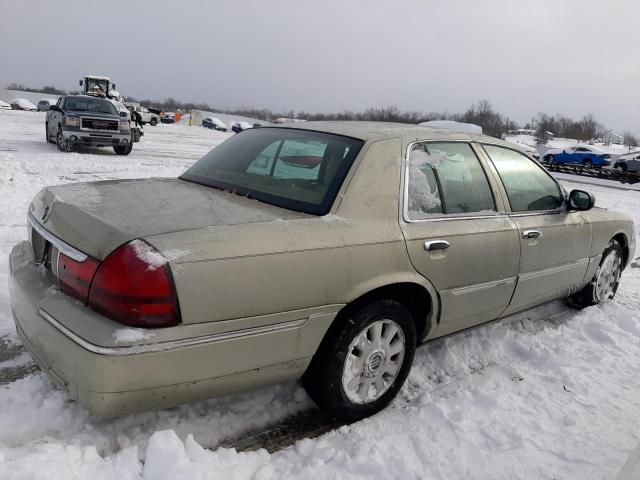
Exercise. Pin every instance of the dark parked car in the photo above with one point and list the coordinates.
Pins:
(584, 155)
(45, 103)
(214, 124)
(23, 104)
(169, 117)
(238, 127)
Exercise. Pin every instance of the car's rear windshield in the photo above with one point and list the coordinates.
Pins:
(89, 104)
(296, 169)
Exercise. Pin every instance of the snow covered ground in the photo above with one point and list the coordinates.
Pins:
(518, 398)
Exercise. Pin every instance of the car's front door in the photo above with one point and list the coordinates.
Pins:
(457, 233)
(554, 242)
(566, 156)
(55, 117)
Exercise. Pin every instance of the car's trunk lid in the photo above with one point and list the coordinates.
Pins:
(98, 217)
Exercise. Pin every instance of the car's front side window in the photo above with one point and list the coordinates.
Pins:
(529, 188)
(447, 178)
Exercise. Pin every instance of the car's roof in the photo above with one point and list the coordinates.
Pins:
(383, 130)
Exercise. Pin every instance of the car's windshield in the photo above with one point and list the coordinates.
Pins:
(89, 104)
(295, 169)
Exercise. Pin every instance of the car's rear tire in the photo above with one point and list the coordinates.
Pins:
(123, 149)
(549, 159)
(604, 284)
(363, 361)
(623, 167)
(154, 122)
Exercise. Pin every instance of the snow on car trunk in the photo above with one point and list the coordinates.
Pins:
(517, 398)
(98, 217)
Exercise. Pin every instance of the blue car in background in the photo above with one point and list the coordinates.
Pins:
(583, 155)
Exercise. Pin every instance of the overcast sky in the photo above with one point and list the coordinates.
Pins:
(571, 57)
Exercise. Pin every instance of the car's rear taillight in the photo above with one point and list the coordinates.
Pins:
(134, 286)
(75, 277)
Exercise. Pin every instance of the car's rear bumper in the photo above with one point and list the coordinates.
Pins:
(118, 379)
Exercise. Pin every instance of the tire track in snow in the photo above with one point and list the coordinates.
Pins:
(314, 423)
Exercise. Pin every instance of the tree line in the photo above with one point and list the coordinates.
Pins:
(481, 113)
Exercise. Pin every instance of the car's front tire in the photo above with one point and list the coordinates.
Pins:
(63, 144)
(363, 361)
(604, 284)
(588, 163)
(153, 122)
(123, 149)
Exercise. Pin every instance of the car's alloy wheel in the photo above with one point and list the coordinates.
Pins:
(373, 361)
(607, 277)
(588, 164)
(363, 360)
(604, 284)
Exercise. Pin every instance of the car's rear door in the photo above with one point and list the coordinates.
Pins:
(554, 243)
(457, 233)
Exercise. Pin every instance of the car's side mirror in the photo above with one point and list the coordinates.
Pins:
(564, 151)
(581, 200)
(54, 108)
(123, 114)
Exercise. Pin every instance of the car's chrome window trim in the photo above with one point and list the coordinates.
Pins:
(538, 212)
(169, 345)
(63, 247)
(443, 216)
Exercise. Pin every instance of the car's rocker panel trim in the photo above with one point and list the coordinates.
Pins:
(169, 345)
(63, 247)
(552, 270)
(482, 286)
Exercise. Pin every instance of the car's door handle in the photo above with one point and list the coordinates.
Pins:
(436, 245)
(531, 234)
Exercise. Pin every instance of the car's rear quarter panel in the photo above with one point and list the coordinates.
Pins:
(297, 264)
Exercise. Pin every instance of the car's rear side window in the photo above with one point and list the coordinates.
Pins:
(296, 169)
(445, 179)
(528, 186)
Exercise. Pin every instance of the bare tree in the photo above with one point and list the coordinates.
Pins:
(589, 126)
(630, 140)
